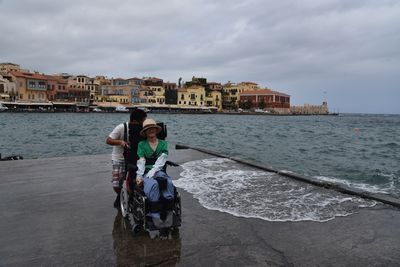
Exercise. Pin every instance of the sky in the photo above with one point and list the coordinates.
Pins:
(344, 52)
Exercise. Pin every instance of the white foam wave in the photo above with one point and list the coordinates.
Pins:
(224, 185)
(365, 187)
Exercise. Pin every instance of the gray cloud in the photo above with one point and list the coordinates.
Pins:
(302, 48)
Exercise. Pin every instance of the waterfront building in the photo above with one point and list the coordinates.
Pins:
(171, 93)
(78, 95)
(81, 81)
(8, 88)
(265, 98)
(93, 89)
(135, 86)
(8, 67)
(198, 92)
(197, 81)
(30, 86)
(214, 95)
(86, 83)
(119, 90)
(194, 95)
(213, 99)
(231, 93)
(214, 86)
(121, 87)
(57, 88)
(122, 99)
(101, 80)
(152, 91)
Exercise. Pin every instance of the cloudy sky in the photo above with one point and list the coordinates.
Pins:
(347, 52)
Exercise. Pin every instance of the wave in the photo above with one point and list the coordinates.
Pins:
(387, 188)
(224, 185)
(391, 145)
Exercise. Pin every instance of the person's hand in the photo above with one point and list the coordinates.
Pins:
(124, 144)
(139, 181)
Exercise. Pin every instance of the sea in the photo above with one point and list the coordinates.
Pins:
(358, 150)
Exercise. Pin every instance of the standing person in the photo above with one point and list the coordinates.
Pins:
(153, 154)
(119, 142)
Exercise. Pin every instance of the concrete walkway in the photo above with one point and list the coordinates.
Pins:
(59, 212)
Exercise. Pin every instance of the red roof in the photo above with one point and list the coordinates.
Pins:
(262, 92)
(58, 79)
(29, 75)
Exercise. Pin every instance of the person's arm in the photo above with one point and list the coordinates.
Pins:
(158, 165)
(115, 137)
(116, 142)
(140, 171)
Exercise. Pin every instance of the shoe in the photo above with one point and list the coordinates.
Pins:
(117, 203)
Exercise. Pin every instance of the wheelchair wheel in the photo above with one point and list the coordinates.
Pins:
(124, 199)
(178, 207)
(138, 212)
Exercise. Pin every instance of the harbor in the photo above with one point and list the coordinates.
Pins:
(74, 107)
(58, 211)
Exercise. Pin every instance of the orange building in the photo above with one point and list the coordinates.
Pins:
(31, 86)
(57, 88)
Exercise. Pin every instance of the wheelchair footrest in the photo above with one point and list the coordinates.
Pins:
(151, 225)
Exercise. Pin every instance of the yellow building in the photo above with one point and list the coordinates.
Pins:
(153, 94)
(192, 96)
(31, 87)
(214, 99)
(159, 94)
(232, 92)
(123, 99)
(102, 98)
(151, 90)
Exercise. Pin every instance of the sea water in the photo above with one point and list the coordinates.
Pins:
(360, 150)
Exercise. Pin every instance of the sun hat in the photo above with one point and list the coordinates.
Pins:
(147, 124)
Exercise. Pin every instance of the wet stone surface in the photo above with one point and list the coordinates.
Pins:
(59, 212)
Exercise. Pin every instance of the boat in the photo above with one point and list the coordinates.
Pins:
(2, 107)
(144, 109)
(121, 109)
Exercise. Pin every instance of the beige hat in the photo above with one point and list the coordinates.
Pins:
(147, 124)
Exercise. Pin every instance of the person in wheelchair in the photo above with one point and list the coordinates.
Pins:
(151, 171)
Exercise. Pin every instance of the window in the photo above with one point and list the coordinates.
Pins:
(31, 84)
(42, 85)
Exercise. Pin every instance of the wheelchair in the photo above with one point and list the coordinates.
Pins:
(137, 208)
